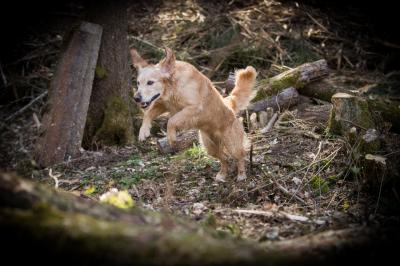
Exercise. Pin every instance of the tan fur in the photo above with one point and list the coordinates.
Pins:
(193, 102)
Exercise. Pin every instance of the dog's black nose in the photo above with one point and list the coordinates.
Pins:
(137, 97)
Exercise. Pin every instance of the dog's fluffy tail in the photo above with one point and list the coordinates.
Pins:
(243, 90)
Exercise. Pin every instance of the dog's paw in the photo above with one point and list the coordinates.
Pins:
(241, 177)
(220, 177)
(144, 133)
(171, 139)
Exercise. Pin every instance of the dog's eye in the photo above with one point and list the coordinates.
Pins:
(138, 83)
(150, 82)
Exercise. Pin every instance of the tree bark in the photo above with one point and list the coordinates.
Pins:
(70, 92)
(74, 231)
(111, 110)
(297, 77)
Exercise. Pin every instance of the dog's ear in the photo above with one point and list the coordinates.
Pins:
(167, 65)
(138, 61)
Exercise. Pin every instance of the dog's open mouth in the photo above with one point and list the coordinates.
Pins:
(144, 105)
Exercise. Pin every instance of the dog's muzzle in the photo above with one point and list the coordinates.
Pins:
(144, 105)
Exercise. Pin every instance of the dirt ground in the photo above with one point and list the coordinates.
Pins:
(300, 180)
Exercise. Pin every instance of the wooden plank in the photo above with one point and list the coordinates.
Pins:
(70, 92)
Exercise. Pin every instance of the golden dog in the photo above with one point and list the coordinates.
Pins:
(193, 102)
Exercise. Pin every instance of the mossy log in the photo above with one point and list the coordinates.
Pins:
(297, 77)
(75, 231)
(70, 92)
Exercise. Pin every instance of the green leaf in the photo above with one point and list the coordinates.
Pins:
(346, 205)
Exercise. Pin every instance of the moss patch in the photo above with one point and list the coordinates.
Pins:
(273, 86)
(116, 128)
(100, 72)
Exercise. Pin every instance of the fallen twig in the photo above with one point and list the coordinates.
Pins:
(279, 214)
(287, 192)
(3, 76)
(270, 124)
(23, 109)
(55, 178)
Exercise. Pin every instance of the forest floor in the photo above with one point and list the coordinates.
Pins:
(300, 180)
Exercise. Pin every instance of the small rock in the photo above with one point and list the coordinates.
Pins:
(296, 180)
(272, 233)
(198, 208)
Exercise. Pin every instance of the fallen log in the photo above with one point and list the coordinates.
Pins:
(183, 141)
(283, 100)
(297, 77)
(35, 218)
(70, 92)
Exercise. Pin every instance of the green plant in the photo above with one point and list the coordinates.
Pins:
(319, 185)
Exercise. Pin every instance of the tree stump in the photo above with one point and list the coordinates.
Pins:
(70, 92)
(349, 111)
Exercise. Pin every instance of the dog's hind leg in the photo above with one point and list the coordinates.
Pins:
(215, 149)
(234, 143)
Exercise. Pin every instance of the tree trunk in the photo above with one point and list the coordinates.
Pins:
(70, 92)
(111, 110)
(74, 231)
(297, 77)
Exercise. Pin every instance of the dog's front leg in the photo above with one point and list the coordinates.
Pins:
(149, 115)
(183, 120)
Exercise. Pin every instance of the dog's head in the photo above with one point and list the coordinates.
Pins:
(151, 78)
